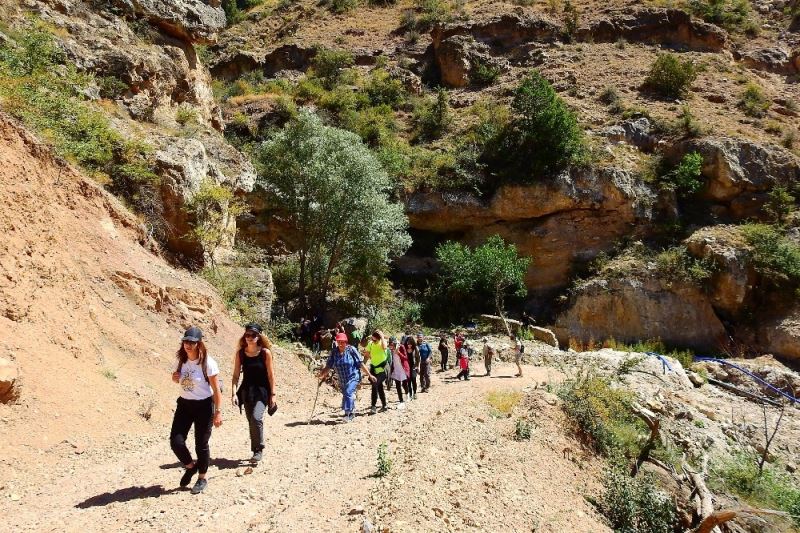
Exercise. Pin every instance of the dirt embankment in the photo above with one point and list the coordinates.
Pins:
(90, 317)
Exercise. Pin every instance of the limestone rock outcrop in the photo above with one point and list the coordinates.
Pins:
(773, 59)
(560, 222)
(734, 278)
(779, 334)
(183, 165)
(739, 173)
(672, 27)
(188, 20)
(630, 309)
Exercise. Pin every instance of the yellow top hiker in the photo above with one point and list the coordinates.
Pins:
(376, 351)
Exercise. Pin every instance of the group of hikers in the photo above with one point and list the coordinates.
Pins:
(384, 362)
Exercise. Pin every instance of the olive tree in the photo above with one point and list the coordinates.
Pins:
(336, 194)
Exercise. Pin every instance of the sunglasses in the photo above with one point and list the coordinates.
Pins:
(250, 335)
(190, 343)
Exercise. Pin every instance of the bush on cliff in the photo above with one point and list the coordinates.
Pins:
(543, 136)
(670, 76)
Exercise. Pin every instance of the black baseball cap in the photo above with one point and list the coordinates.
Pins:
(193, 334)
(252, 326)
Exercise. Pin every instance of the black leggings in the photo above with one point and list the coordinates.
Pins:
(401, 386)
(377, 389)
(444, 359)
(201, 414)
(413, 382)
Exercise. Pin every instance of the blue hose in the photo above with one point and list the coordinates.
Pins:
(664, 362)
(747, 372)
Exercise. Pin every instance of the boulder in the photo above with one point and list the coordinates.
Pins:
(196, 21)
(631, 309)
(771, 59)
(734, 167)
(666, 27)
(155, 76)
(544, 335)
(780, 334)
(457, 58)
(233, 62)
(503, 32)
(183, 165)
(9, 381)
(735, 277)
(637, 132)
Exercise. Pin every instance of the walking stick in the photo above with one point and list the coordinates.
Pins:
(319, 385)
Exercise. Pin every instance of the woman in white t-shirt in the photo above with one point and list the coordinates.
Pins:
(198, 404)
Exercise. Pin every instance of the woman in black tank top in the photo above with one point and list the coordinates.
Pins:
(256, 394)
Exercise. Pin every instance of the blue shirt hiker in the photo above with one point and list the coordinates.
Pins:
(348, 363)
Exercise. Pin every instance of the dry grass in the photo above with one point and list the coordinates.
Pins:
(252, 98)
(503, 401)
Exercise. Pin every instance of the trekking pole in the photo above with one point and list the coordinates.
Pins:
(319, 385)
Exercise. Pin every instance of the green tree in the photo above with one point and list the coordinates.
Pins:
(671, 77)
(544, 135)
(493, 267)
(336, 193)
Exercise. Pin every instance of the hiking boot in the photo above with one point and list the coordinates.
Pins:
(373, 410)
(384, 409)
(256, 457)
(199, 486)
(186, 478)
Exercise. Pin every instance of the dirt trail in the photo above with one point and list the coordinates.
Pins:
(455, 467)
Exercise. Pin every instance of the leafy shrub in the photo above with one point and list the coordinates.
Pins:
(774, 255)
(111, 87)
(733, 15)
(185, 115)
(397, 315)
(483, 73)
(522, 430)
(543, 135)
(688, 124)
(234, 9)
(213, 207)
(739, 474)
(602, 414)
(570, 16)
(754, 102)
(684, 178)
(384, 461)
(382, 89)
(342, 6)
(328, 65)
(676, 264)
(432, 12)
(241, 294)
(671, 77)
(433, 118)
(610, 96)
(635, 504)
(685, 357)
(780, 204)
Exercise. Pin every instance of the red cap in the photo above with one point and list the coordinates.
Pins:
(341, 337)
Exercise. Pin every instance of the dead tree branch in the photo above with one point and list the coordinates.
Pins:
(654, 423)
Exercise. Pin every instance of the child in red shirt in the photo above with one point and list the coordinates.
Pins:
(463, 363)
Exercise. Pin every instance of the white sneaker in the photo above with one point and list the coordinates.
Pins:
(401, 405)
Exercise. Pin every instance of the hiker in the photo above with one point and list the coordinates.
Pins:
(424, 362)
(443, 351)
(400, 369)
(316, 341)
(378, 354)
(256, 394)
(463, 362)
(412, 352)
(488, 354)
(527, 321)
(348, 364)
(458, 341)
(519, 349)
(199, 404)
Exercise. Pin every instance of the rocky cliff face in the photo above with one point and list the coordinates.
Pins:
(561, 223)
(143, 55)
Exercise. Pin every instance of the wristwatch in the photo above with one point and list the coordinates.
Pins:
(217, 410)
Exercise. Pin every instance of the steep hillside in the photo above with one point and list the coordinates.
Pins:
(89, 316)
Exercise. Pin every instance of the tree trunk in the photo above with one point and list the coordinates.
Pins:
(498, 302)
(301, 283)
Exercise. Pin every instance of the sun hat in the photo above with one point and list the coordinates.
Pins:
(252, 326)
(193, 334)
(341, 337)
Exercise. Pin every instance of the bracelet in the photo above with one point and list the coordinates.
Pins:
(218, 410)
